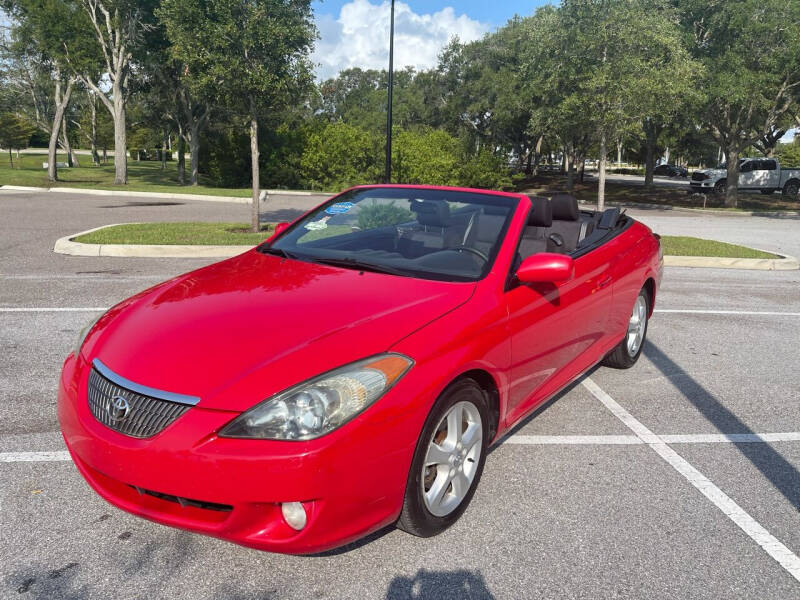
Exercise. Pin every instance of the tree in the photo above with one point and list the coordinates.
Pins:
(15, 133)
(750, 50)
(119, 27)
(340, 156)
(620, 54)
(43, 35)
(253, 53)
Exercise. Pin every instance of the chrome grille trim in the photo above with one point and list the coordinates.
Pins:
(143, 389)
(145, 417)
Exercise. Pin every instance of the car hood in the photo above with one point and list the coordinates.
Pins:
(260, 322)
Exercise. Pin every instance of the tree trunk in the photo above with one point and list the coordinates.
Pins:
(570, 169)
(619, 153)
(732, 179)
(194, 152)
(537, 155)
(651, 133)
(583, 167)
(72, 158)
(254, 162)
(181, 158)
(164, 150)
(105, 155)
(601, 180)
(93, 138)
(120, 140)
(666, 155)
(61, 107)
(11, 158)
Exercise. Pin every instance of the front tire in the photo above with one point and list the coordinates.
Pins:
(448, 461)
(720, 187)
(627, 352)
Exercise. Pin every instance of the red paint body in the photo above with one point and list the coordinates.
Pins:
(238, 331)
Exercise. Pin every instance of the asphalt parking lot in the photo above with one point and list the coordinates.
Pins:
(675, 479)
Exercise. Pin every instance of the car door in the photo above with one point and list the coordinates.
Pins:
(747, 174)
(554, 328)
(768, 175)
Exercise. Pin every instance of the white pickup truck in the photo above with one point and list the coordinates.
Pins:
(763, 174)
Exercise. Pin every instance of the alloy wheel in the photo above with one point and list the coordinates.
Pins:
(452, 459)
(637, 325)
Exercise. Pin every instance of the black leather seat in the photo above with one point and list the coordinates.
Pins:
(484, 228)
(566, 227)
(534, 238)
(434, 231)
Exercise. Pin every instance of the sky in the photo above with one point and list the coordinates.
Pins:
(355, 33)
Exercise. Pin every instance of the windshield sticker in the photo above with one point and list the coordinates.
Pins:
(316, 225)
(339, 208)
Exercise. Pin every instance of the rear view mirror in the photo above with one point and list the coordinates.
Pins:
(545, 267)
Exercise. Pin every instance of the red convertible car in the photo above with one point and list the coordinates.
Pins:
(352, 371)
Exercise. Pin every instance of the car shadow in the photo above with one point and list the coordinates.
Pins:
(780, 472)
(460, 584)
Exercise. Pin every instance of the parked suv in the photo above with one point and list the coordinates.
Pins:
(763, 174)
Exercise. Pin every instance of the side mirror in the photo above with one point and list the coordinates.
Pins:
(546, 267)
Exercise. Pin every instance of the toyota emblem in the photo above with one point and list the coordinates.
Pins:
(118, 408)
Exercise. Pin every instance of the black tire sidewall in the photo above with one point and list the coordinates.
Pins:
(416, 518)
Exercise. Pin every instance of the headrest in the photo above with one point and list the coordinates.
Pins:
(565, 207)
(541, 214)
(433, 213)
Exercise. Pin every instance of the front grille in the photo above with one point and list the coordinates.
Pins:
(145, 417)
(697, 176)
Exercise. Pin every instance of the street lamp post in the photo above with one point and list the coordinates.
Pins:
(388, 174)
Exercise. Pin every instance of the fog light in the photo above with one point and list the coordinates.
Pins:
(295, 514)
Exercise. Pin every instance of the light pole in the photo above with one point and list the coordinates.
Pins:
(388, 174)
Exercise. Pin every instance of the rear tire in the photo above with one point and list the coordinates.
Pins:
(627, 352)
(453, 466)
(791, 189)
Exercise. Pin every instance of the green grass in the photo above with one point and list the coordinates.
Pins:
(145, 176)
(692, 246)
(204, 234)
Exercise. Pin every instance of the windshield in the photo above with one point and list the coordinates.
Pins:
(432, 234)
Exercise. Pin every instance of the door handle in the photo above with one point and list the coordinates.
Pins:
(605, 282)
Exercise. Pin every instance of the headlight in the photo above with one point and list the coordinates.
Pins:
(76, 349)
(322, 404)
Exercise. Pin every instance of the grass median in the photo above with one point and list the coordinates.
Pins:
(234, 234)
(170, 234)
(691, 246)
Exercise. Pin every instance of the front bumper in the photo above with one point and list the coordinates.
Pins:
(187, 477)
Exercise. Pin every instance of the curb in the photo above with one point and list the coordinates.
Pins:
(785, 263)
(65, 245)
(164, 195)
(708, 211)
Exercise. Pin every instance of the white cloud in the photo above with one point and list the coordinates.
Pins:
(360, 37)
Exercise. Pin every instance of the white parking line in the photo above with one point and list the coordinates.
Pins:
(535, 440)
(34, 456)
(16, 309)
(735, 438)
(771, 545)
(682, 311)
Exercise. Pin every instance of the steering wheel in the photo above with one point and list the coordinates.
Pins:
(477, 253)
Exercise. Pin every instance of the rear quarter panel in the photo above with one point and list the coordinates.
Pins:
(637, 261)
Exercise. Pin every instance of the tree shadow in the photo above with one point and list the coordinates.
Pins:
(780, 472)
(440, 585)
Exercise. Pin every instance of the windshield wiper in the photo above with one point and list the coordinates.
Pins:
(349, 263)
(277, 252)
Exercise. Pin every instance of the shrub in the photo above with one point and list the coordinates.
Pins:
(485, 170)
(340, 156)
(376, 215)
